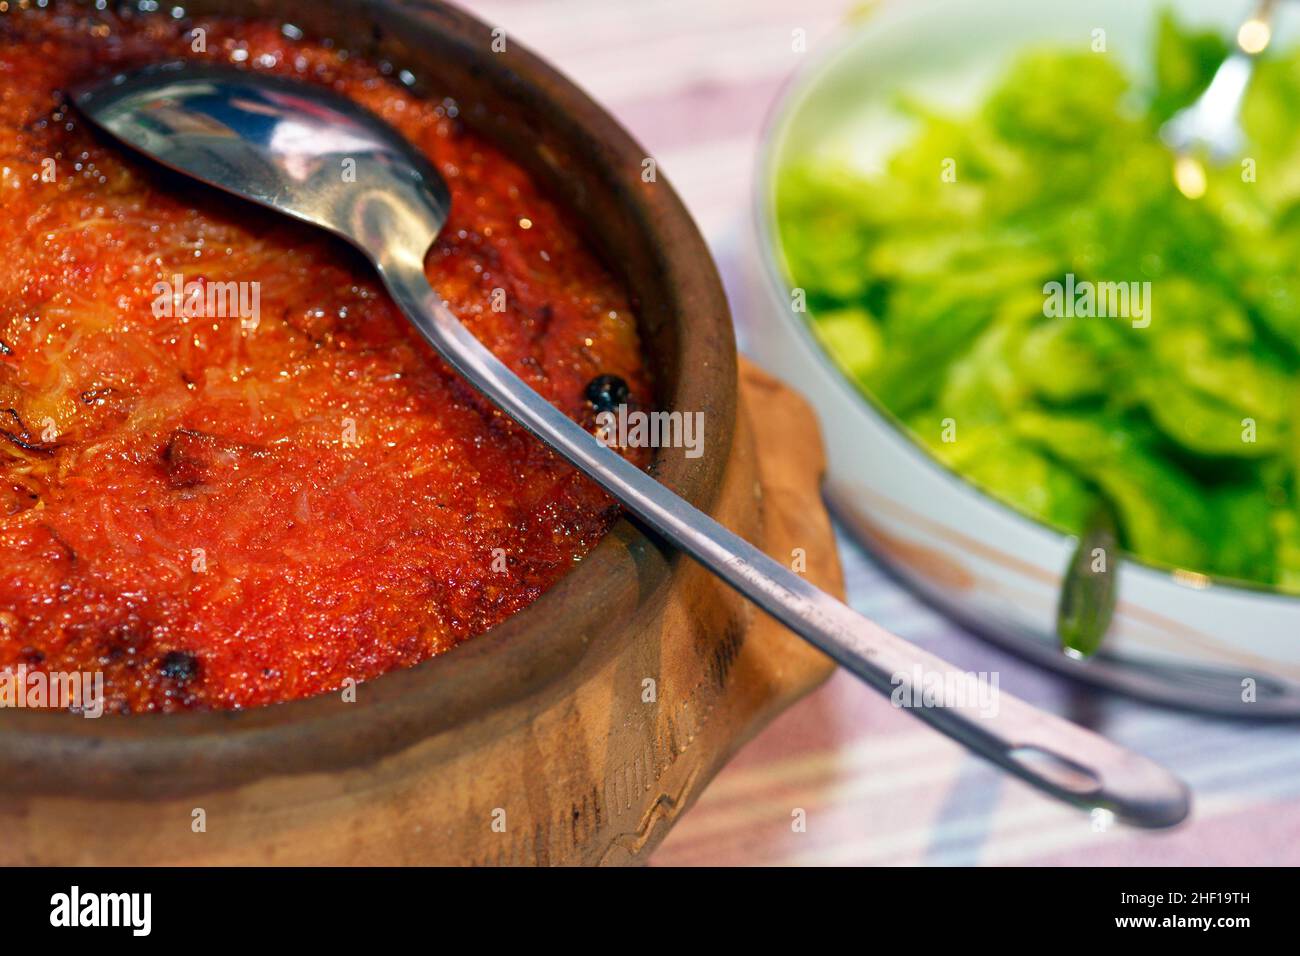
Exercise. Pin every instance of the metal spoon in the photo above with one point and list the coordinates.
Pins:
(1211, 126)
(282, 144)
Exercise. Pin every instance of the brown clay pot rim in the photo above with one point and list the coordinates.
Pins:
(155, 756)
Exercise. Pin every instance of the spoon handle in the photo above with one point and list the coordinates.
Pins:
(1058, 757)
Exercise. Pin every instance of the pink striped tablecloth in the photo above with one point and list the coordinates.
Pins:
(693, 81)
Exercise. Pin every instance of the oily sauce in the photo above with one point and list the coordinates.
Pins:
(224, 511)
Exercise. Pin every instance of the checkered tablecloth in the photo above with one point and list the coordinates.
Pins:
(693, 81)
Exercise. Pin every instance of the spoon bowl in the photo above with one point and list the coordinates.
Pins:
(315, 156)
(1211, 126)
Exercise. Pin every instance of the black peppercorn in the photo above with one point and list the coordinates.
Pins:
(179, 666)
(607, 392)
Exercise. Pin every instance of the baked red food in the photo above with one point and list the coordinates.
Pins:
(218, 512)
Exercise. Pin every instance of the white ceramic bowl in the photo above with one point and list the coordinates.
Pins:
(1176, 637)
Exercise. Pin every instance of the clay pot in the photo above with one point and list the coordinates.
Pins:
(575, 731)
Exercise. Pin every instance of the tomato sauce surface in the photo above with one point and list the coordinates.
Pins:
(225, 511)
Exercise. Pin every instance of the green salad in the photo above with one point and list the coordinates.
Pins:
(1027, 289)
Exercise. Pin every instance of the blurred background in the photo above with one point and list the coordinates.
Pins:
(694, 81)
